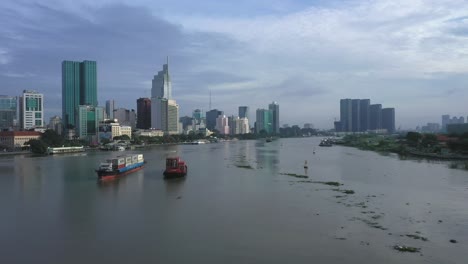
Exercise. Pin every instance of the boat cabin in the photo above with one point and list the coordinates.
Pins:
(175, 166)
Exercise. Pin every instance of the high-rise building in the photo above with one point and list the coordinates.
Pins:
(31, 109)
(264, 121)
(198, 115)
(375, 117)
(164, 110)
(79, 87)
(364, 114)
(355, 115)
(143, 113)
(211, 118)
(87, 123)
(445, 122)
(125, 117)
(172, 117)
(161, 84)
(244, 112)
(346, 115)
(274, 108)
(8, 112)
(55, 123)
(388, 119)
(222, 125)
(244, 127)
(110, 106)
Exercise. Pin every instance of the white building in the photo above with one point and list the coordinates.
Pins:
(244, 127)
(31, 109)
(222, 124)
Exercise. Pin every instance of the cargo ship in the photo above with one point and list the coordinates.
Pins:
(120, 166)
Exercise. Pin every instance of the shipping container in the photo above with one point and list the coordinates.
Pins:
(140, 157)
(121, 161)
(128, 161)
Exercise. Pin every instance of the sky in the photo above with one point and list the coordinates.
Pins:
(306, 55)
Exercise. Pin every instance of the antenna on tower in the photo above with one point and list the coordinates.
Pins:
(209, 107)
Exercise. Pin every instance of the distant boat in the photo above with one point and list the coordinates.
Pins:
(121, 148)
(325, 143)
(269, 139)
(305, 165)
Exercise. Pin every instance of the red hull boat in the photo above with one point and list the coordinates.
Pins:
(175, 168)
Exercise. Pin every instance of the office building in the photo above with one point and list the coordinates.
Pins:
(125, 117)
(79, 87)
(346, 115)
(31, 109)
(388, 119)
(55, 123)
(244, 112)
(355, 115)
(222, 125)
(87, 122)
(110, 106)
(364, 105)
(143, 113)
(211, 118)
(164, 110)
(274, 108)
(375, 117)
(8, 112)
(263, 122)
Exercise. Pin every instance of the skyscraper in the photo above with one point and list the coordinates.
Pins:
(346, 115)
(88, 122)
(8, 112)
(161, 84)
(164, 110)
(79, 87)
(364, 114)
(31, 109)
(110, 106)
(388, 119)
(375, 117)
(244, 112)
(274, 108)
(143, 113)
(264, 120)
(355, 115)
(211, 118)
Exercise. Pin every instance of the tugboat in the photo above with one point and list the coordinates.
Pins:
(120, 166)
(175, 168)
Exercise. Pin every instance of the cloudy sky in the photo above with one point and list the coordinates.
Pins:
(306, 55)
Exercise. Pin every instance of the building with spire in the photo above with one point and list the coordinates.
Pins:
(164, 110)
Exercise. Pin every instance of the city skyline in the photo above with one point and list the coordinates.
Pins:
(241, 59)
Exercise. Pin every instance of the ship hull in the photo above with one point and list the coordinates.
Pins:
(111, 175)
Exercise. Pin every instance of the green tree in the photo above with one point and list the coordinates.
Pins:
(413, 138)
(429, 140)
(122, 137)
(37, 146)
(51, 138)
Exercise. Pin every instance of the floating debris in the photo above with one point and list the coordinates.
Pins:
(295, 175)
(340, 238)
(348, 191)
(453, 241)
(417, 237)
(244, 166)
(406, 249)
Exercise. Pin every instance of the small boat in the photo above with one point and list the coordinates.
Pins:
(325, 143)
(269, 139)
(305, 165)
(120, 166)
(175, 168)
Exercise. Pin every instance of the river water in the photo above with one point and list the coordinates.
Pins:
(240, 203)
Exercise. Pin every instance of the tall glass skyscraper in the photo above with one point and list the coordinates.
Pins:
(8, 112)
(274, 108)
(79, 87)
